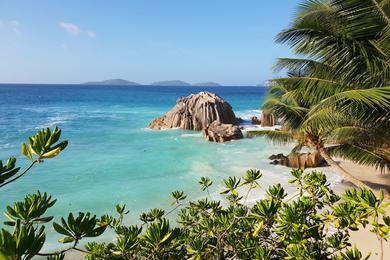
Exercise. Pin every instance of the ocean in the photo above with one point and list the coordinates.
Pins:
(113, 157)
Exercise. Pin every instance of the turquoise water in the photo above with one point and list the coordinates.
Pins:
(112, 157)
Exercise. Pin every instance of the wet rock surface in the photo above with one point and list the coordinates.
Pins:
(218, 132)
(299, 160)
(196, 112)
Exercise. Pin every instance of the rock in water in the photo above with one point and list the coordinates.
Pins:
(267, 120)
(299, 160)
(218, 132)
(255, 120)
(196, 112)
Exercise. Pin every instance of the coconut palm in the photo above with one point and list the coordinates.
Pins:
(342, 135)
(336, 99)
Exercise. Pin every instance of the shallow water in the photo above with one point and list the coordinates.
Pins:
(112, 156)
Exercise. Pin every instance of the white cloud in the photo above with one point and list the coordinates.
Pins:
(12, 25)
(70, 28)
(75, 30)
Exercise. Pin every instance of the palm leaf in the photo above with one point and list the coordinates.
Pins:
(346, 35)
(359, 155)
(325, 120)
(290, 114)
(359, 135)
(365, 105)
(301, 65)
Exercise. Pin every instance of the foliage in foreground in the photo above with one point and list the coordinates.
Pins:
(313, 223)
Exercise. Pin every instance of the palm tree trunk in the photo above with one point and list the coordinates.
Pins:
(349, 177)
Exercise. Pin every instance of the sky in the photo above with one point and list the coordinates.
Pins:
(226, 41)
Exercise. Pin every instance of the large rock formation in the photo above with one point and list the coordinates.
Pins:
(218, 132)
(299, 160)
(196, 112)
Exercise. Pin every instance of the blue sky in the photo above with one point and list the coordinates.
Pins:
(227, 41)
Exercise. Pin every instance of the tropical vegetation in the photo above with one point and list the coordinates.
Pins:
(336, 97)
(313, 223)
(335, 101)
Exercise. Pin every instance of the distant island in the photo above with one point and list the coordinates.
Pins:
(113, 82)
(207, 84)
(171, 83)
(166, 83)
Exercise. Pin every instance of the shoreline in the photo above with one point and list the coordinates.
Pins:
(363, 239)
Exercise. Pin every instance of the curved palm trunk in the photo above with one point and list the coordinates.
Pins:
(347, 175)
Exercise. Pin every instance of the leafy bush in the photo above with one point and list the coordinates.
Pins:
(313, 223)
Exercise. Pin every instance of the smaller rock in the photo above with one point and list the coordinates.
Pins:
(267, 120)
(278, 156)
(255, 120)
(299, 160)
(275, 162)
(218, 132)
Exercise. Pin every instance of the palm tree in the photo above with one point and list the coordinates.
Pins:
(329, 131)
(336, 99)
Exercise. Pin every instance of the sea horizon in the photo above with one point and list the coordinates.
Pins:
(140, 85)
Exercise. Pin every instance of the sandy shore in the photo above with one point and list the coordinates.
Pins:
(363, 238)
(74, 255)
(370, 176)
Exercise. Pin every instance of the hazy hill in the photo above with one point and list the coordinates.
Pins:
(207, 84)
(172, 83)
(113, 82)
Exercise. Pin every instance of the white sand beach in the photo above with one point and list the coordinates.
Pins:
(363, 238)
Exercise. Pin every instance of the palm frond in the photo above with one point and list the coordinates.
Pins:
(348, 35)
(290, 114)
(310, 90)
(359, 155)
(359, 135)
(366, 105)
(277, 91)
(302, 65)
(325, 120)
